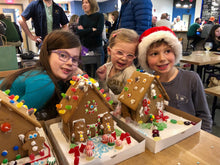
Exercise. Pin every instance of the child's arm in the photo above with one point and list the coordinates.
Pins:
(101, 73)
(201, 105)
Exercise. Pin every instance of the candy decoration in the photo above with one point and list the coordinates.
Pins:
(122, 136)
(51, 160)
(82, 148)
(104, 139)
(187, 122)
(5, 161)
(102, 90)
(128, 139)
(5, 127)
(41, 153)
(71, 151)
(111, 141)
(4, 153)
(118, 144)
(114, 135)
(91, 144)
(89, 155)
(15, 148)
(32, 156)
(76, 160)
(86, 76)
(62, 112)
(11, 97)
(18, 156)
(7, 91)
(75, 97)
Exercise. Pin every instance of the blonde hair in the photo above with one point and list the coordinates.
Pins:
(73, 18)
(123, 35)
(94, 7)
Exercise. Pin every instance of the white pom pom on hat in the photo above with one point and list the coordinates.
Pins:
(155, 34)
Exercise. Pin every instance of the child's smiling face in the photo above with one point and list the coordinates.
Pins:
(161, 58)
(122, 55)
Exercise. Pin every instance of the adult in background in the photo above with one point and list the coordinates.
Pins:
(164, 21)
(154, 21)
(90, 28)
(11, 33)
(207, 27)
(136, 15)
(74, 20)
(114, 16)
(2, 31)
(46, 16)
(194, 32)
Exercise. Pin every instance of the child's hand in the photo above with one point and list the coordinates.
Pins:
(101, 72)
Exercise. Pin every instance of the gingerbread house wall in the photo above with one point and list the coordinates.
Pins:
(153, 101)
(10, 139)
(80, 113)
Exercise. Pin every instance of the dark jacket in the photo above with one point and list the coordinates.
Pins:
(89, 38)
(36, 11)
(136, 15)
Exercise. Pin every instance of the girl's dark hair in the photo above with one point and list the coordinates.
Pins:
(212, 31)
(57, 39)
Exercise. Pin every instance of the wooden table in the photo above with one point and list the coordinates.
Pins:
(215, 91)
(201, 148)
(201, 58)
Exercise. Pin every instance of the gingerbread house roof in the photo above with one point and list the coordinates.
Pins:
(18, 108)
(79, 87)
(137, 86)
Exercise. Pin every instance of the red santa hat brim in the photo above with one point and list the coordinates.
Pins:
(153, 35)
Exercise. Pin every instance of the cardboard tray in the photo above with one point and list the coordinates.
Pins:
(157, 146)
(135, 150)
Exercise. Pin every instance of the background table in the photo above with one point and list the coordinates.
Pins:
(201, 58)
(201, 148)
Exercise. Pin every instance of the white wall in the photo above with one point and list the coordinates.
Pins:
(162, 6)
(166, 6)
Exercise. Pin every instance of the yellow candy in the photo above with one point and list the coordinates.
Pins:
(72, 82)
(157, 139)
(92, 80)
(62, 112)
(140, 122)
(104, 95)
(26, 106)
(19, 105)
(180, 122)
(16, 97)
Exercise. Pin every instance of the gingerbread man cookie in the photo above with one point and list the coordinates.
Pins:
(107, 124)
(79, 133)
(33, 142)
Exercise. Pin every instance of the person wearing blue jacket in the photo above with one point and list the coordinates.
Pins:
(136, 15)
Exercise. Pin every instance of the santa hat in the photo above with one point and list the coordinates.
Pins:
(153, 35)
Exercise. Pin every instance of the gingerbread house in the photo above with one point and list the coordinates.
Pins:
(17, 125)
(142, 96)
(84, 110)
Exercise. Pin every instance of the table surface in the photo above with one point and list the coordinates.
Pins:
(202, 58)
(213, 91)
(201, 148)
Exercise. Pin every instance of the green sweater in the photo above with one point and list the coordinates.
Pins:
(11, 32)
(193, 29)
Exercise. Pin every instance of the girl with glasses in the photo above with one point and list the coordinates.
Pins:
(40, 86)
(122, 51)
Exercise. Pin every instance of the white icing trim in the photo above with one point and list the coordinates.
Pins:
(78, 120)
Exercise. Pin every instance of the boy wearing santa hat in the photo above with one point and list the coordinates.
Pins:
(159, 51)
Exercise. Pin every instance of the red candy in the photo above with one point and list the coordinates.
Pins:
(82, 147)
(128, 139)
(5, 127)
(76, 160)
